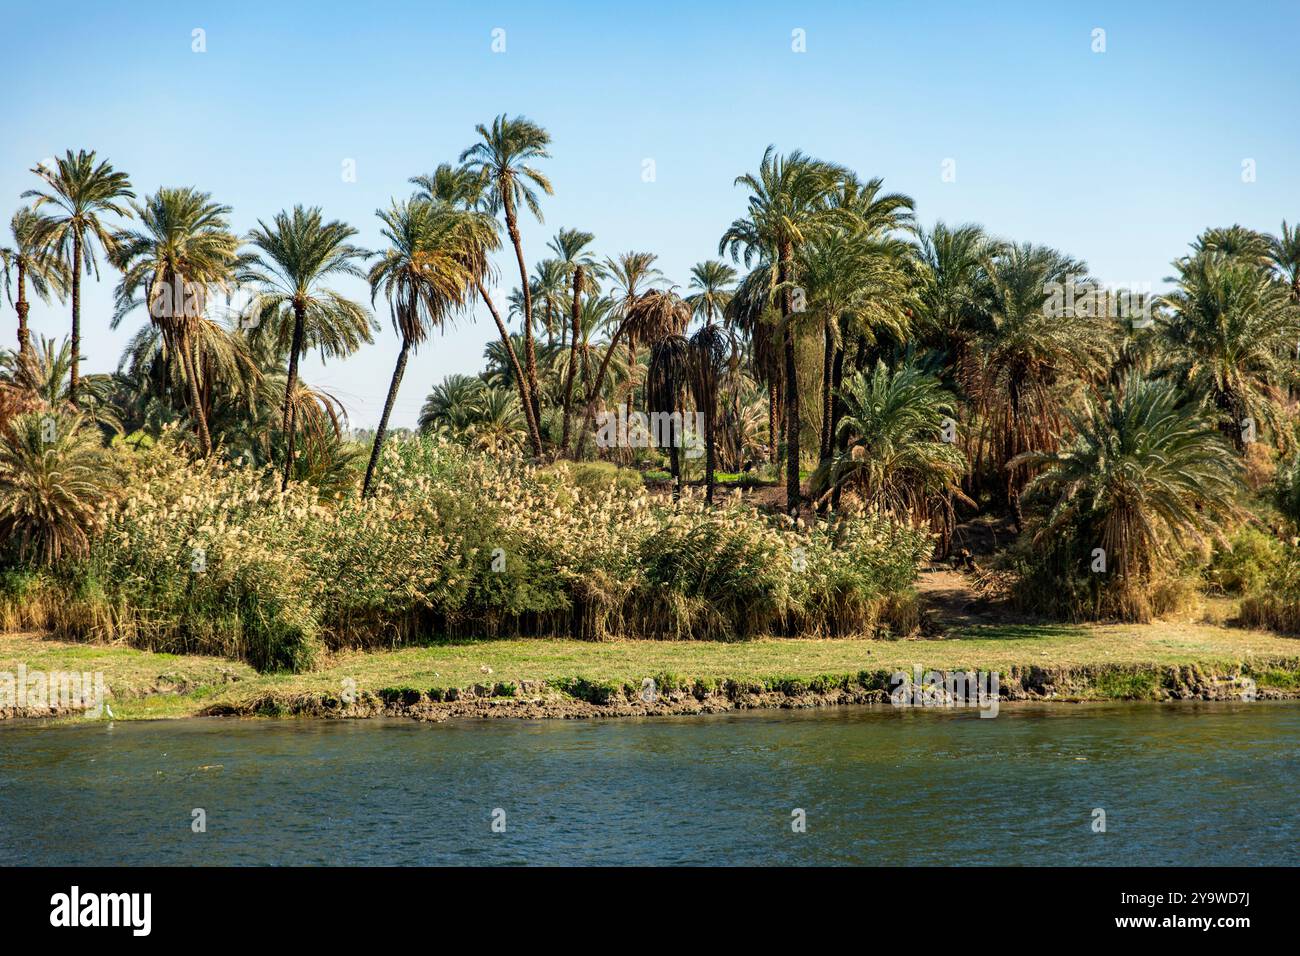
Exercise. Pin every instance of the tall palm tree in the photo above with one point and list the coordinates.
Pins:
(711, 348)
(1230, 327)
(953, 293)
(294, 257)
(81, 192)
(570, 248)
(712, 281)
(751, 313)
(183, 252)
(856, 283)
(502, 160)
(789, 204)
(427, 274)
(630, 274)
(466, 190)
(30, 260)
(1027, 350)
(666, 385)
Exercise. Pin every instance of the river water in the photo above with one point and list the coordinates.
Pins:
(1180, 784)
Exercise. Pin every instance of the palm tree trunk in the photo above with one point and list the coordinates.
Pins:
(530, 353)
(383, 420)
(75, 378)
(674, 457)
(773, 424)
(594, 394)
(24, 335)
(828, 371)
(573, 355)
(791, 389)
(708, 450)
(291, 382)
(196, 404)
(534, 433)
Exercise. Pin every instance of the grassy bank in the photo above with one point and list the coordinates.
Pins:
(540, 678)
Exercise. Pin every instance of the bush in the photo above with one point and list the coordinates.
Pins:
(213, 558)
(1275, 603)
(1244, 562)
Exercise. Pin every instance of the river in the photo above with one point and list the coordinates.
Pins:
(1180, 784)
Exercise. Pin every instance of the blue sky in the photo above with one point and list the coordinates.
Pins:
(1119, 158)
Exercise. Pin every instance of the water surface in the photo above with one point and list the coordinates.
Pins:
(1181, 784)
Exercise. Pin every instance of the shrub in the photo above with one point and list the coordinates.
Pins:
(214, 558)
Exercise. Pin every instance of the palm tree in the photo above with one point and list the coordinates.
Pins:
(570, 246)
(892, 450)
(1231, 324)
(41, 376)
(54, 482)
(466, 190)
(711, 348)
(295, 256)
(1284, 254)
(1144, 473)
(30, 260)
(953, 294)
(857, 282)
(750, 312)
(666, 385)
(788, 206)
(183, 252)
(81, 191)
(501, 161)
(1027, 349)
(427, 274)
(712, 281)
(628, 274)
(631, 274)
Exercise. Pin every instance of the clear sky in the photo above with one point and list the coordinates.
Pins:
(1119, 158)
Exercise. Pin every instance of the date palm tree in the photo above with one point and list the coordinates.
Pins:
(502, 161)
(710, 350)
(81, 192)
(892, 448)
(953, 294)
(427, 274)
(1284, 254)
(293, 258)
(630, 274)
(583, 271)
(1230, 328)
(1027, 350)
(30, 261)
(789, 205)
(1143, 474)
(183, 252)
(465, 189)
(54, 483)
(712, 282)
(667, 382)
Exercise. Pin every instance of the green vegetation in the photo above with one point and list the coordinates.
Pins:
(1135, 662)
(866, 391)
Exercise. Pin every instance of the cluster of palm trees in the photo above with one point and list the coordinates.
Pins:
(844, 345)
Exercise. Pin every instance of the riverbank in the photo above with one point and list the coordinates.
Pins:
(576, 679)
